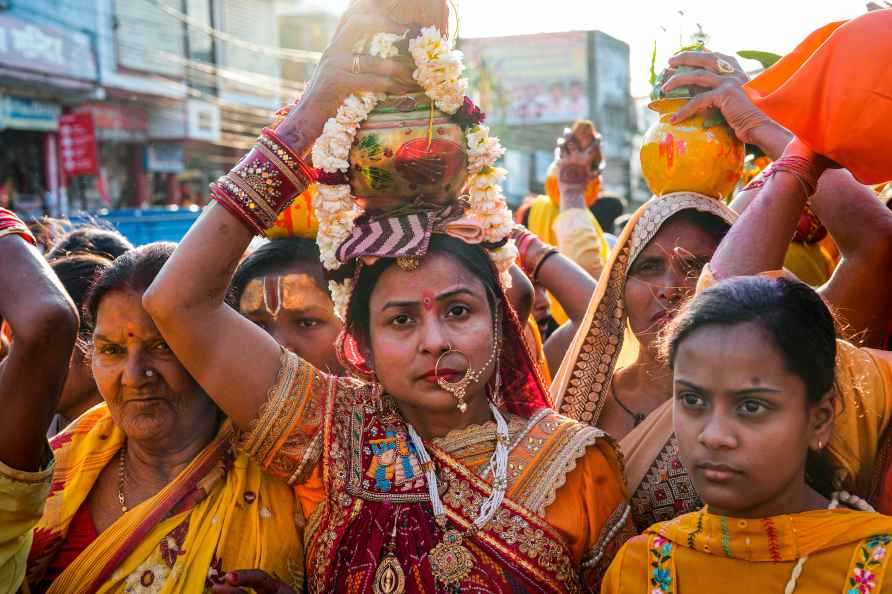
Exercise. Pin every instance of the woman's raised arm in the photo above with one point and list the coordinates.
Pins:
(232, 359)
(44, 326)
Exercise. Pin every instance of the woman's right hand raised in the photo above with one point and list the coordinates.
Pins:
(340, 73)
(724, 78)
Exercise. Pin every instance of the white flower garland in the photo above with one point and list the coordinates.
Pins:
(438, 71)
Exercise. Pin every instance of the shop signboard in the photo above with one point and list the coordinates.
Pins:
(165, 157)
(28, 114)
(117, 123)
(44, 48)
(77, 138)
(202, 121)
(530, 79)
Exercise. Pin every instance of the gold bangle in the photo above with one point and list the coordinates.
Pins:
(535, 276)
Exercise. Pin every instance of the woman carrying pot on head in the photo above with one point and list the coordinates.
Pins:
(43, 324)
(613, 377)
(443, 469)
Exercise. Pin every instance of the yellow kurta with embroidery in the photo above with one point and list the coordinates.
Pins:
(702, 552)
(22, 499)
(576, 233)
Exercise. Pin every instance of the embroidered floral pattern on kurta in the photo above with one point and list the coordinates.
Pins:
(868, 565)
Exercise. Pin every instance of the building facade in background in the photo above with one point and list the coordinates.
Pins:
(533, 86)
(127, 104)
(171, 92)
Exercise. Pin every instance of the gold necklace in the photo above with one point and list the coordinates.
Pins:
(390, 577)
(121, 498)
(451, 561)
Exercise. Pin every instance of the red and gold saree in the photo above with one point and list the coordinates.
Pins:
(364, 493)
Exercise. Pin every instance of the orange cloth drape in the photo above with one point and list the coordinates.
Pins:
(834, 92)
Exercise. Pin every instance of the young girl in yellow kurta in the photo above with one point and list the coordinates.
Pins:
(753, 372)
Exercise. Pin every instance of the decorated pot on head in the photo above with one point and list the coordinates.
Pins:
(407, 150)
(700, 154)
(392, 170)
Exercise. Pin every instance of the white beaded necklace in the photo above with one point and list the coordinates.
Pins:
(450, 561)
(845, 497)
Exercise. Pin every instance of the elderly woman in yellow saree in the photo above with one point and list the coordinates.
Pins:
(440, 467)
(612, 376)
(148, 494)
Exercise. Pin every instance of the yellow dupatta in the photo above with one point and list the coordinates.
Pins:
(543, 213)
(220, 514)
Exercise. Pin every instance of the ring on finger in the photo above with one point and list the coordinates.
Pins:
(355, 69)
(724, 66)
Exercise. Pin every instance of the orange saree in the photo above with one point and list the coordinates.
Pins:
(834, 91)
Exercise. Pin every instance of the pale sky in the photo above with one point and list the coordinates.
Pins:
(767, 25)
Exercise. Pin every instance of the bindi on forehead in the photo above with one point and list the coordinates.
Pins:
(427, 299)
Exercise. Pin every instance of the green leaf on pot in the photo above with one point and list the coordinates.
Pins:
(712, 120)
(379, 179)
(372, 147)
(653, 65)
(766, 59)
(694, 47)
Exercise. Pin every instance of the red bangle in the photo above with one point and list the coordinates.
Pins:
(523, 244)
(263, 183)
(11, 224)
(809, 229)
(800, 167)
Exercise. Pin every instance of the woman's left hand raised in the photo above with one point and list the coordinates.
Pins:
(261, 582)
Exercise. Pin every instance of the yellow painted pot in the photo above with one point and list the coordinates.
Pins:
(700, 154)
(405, 151)
(298, 220)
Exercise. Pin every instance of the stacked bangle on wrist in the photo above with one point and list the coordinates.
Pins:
(522, 242)
(11, 224)
(802, 169)
(263, 183)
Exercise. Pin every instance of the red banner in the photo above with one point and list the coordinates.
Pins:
(77, 137)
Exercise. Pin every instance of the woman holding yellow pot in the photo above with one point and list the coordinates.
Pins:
(612, 376)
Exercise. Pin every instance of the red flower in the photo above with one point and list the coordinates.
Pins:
(331, 179)
(469, 115)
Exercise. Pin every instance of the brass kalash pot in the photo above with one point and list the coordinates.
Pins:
(407, 150)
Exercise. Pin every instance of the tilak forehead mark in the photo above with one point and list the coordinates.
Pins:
(427, 299)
